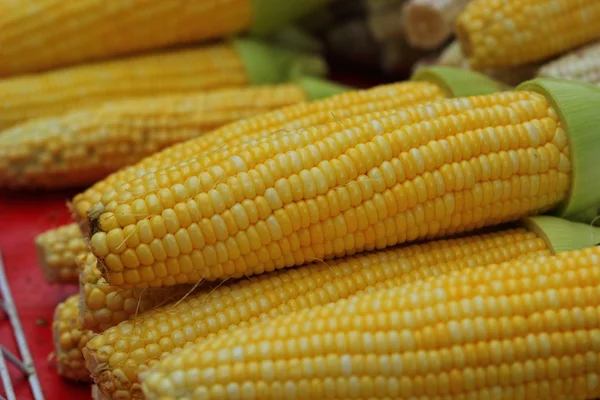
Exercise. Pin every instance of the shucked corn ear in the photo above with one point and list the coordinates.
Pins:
(581, 65)
(452, 56)
(69, 339)
(73, 32)
(116, 356)
(222, 143)
(102, 305)
(82, 147)
(525, 329)
(58, 250)
(361, 184)
(498, 33)
(237, 63)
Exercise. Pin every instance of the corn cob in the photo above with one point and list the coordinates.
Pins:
(429, 23)
(69, 339)
(141, 25)
(452, 56)
(115, 357)
(82, 147)
(103, 305)
(58, 250)
(511, 33)
(522, 329)
(242, 134)
(581, 65)
(220, 65)
(361, 184)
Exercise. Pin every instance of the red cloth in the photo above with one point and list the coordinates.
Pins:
(22, 217)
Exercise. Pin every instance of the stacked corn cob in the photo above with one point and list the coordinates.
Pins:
(521, 329)
(222, 65)
(72, 33)
(509, 40)
(331, 190)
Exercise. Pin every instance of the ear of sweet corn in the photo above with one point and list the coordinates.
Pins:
(177, 71)
(124, 27)
(221, 65)
(582, 65)
(425, 171)
(82, 147)
(102, 305)
(452, 56)
(58, 250)
(69, 339)
(134, 345)
(522, 329)
(224, 142)
(510, 33)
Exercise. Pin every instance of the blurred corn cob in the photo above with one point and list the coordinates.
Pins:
(247, 302)
(238, 63)
(452, 56)
(581, 65)
(246, 133)
(388, 183)
(82, 147)
(58, 250)
(69, 339)
(521, 329)
(512, 33)
(102, 305)
(430, 23)
(46, 34)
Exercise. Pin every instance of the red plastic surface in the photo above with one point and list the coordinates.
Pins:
(22, 217)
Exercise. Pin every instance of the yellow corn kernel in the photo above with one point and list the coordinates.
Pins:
(352, 185)
(85, 86)
(522, 329)
(84, 146)
(117, 355)
(581, 65)
(58, 250)
(103, 305)
(69, 339)
(223, 142)
(498, 33)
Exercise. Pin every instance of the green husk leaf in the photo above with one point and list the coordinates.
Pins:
(589, 216)
(266, 64)
(563, 235)
(268, 15)
(320, 88)
(459, 82)
(578, 106)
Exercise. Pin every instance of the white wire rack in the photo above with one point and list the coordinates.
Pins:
(25, 362)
